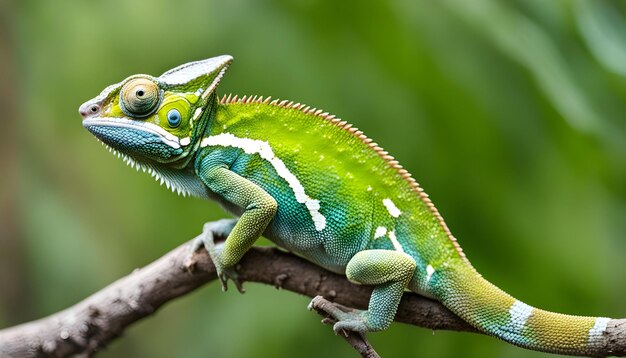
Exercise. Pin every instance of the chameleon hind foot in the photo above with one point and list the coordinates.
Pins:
(389, 271)
(212, 230)
(344, 318)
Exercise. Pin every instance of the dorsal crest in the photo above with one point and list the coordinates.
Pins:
(230, 99)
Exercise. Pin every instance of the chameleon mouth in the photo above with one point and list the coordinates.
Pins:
(165, 136)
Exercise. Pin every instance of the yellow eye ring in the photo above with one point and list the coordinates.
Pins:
(174, 112)
(139, 97)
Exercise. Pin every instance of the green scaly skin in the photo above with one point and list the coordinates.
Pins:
(318, 187)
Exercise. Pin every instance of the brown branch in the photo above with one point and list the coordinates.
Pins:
(357, 340)
(91, 324)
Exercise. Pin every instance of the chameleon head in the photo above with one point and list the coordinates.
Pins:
(156, 119)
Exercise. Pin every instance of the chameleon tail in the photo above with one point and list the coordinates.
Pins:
(493, 311)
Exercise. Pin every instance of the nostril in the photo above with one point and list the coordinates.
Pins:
(88, 109)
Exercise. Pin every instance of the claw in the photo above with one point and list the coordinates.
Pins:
(230, 273)
(223, 281)
(352, 320)
(355, 323)
(238, 284)
(197, 244)
(207, 240)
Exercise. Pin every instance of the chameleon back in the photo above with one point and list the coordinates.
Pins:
(338, 193)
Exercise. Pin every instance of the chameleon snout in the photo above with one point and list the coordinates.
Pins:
(88, 109)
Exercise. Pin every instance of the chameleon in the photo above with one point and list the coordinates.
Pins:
(318, 187)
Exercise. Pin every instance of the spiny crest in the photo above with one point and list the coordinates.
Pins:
(359, 134)
(147, 168)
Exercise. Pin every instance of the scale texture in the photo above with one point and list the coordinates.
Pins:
(318, 187)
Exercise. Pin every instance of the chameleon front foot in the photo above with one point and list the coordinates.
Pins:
(211, 231)
(346, 319)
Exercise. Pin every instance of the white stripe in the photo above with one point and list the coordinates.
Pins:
(193, 70)
(166, 137)
(263, 149)
(394, 241)
(429, 273)
(380, 232)
(391, 208)
(520, 312)
(214, 84)
(196, 114)
(598, 329)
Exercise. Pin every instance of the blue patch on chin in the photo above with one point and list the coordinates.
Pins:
(134, 142)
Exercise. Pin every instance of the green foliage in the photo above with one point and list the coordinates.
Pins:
(510, 114)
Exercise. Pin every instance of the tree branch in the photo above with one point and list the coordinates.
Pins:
(91, 324)
(357, 340)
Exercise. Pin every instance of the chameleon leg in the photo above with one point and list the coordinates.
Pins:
(211, 230)
(390, 271)
(259, 209)
(220, 228)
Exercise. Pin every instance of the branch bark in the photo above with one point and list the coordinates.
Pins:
(90, 325)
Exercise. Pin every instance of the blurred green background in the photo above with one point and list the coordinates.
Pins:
(511, 114)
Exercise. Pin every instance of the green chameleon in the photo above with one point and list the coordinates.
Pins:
(320, 188)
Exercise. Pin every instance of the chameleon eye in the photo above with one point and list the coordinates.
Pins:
(173, 118)
(139, 97)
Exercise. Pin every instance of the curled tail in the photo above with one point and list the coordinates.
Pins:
(493, 311)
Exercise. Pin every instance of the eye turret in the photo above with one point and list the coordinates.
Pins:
(173, 118)
(139, 97)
